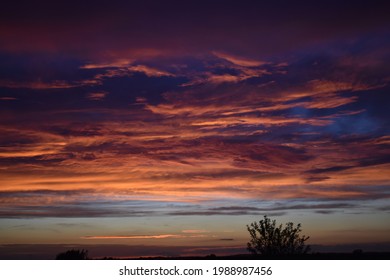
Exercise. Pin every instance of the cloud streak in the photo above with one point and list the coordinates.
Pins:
(161, 236)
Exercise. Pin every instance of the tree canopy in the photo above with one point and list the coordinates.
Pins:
(269, 239)
(73, 255)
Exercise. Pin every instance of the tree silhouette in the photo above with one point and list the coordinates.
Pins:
(73, 255)
(271, 240)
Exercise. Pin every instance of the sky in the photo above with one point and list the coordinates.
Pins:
(149, 128)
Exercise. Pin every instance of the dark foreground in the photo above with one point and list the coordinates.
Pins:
(313, 256)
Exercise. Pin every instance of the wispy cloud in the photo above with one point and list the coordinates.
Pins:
(38, 85)
(97, 95)
(240, 61)
(161, 236)
(119, 63)
(149, 71)
(194, 231)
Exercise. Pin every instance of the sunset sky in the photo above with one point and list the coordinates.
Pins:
(168, 126)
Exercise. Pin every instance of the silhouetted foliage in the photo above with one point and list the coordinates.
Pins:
(271, 240)
(73, 255)
(211, 256)
(357, 252)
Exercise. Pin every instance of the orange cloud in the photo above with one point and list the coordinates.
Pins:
(119, 63)
(149, 71)
(161, 236)
(240, 61)
(97, 95)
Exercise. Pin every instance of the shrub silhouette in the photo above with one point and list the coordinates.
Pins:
(73, 255)
(271, 240)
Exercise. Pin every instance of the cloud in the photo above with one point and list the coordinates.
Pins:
(33, 193)
(325, 211)
(220, 213)
(245, 62)
(194, 231)
(67, 211)
(216, 79)
(149, 71)
(288, 206)
(224, 71)
(97, 95)
(161, 236)
(113, 64)
(38, 85)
